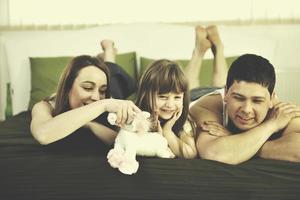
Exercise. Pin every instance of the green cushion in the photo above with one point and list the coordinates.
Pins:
(205, 73)
(45, 73)
(8, 108)
(128, 62)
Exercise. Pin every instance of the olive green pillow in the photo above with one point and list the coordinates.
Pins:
(205, 73)
(8, 108)
(45, 73)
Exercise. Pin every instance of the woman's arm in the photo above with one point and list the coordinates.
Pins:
(47, 129)
(104, 133)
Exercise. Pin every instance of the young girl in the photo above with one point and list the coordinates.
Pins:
(164, 92)
(83, 95)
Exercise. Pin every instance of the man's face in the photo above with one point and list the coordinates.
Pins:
(247, 104)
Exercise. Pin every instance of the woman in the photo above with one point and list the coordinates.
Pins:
(83, 94)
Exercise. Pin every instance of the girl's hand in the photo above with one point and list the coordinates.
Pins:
(157, 122)
(170, 123)
(215, 129)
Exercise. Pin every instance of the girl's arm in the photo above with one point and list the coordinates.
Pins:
(184, 145)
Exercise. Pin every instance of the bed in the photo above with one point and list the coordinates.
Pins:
(76, 167)
(79, 170)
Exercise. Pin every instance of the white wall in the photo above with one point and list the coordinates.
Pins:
(132, 11)
(4, 12)
(279, 43)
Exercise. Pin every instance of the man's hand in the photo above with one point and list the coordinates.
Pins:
(281, 115)
(215, 129)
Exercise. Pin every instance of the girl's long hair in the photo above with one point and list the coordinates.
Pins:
(163, 76)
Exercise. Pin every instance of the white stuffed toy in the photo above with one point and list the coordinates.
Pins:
(135, 139)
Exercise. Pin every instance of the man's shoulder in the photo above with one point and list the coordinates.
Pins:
(213, 102)
(208, 108)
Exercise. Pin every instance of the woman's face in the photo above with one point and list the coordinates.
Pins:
(89, 86)
(168, 104)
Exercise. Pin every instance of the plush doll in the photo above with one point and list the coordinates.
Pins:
(135, 139)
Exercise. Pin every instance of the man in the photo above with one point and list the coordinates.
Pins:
(246, 119)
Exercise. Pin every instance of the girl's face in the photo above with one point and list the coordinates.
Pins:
(89, 86)
(168, 104)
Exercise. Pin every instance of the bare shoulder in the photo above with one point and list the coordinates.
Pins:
(213, 102)
(207, 108)
(41, 108)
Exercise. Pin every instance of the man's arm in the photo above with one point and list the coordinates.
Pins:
(287, 147)
(231, 149)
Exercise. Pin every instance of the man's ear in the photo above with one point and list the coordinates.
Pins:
(274, 100)
(225, 94)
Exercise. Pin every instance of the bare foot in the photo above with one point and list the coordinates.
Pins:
(202, 43)
(219, 63)
(214, 37)
(109, 51)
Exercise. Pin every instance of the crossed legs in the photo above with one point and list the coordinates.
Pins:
(207, 38)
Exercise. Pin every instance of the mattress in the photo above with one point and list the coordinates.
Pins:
(77, 168)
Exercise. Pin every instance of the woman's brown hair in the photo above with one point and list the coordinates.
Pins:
(68, 77)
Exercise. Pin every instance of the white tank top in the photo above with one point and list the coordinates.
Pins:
(224, 113)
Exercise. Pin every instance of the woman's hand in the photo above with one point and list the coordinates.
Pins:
(215, 129)
(126, 110)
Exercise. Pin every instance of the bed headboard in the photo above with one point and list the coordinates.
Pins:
(156, 40)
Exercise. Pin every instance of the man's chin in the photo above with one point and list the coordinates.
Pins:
(245, 127)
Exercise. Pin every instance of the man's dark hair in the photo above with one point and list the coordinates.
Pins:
(253, 69)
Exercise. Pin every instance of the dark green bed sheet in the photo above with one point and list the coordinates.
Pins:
(76, 168)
